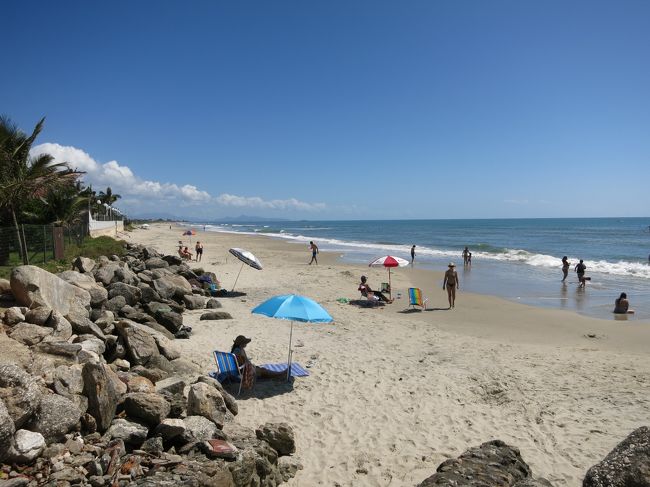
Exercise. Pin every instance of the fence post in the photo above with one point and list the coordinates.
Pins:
(57, 234)
(26, 252)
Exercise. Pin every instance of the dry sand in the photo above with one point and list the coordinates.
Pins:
(392, 393)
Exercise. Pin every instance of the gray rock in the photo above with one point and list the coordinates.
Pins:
(492, 463)
(199, 428)
(28, 445)
(131, 294)
(171, 320)
(83, 326)
(148, 293)
(155, 263)
(105, 319)
(172, 385)
(130, 432)
(13, 316)
(105, 273)
(115, 304)
(231, 402)
(204, 400)
(5, 287)
(279, 435)
(137, 383)
(154, 374)
(34, 287)
(627, 465)
(86, 281)
(153, 445)
(64, 349)
(194, 302)
(150, 408)
(102, 398)
(141, 346)
(216, 315)
(126, 275)
(68, 380)
(38, 316)
(533, 482)
(122, 364)
(19, 393)
(7, 429)
(29, 334)
(91, 343)
(83, 264)
(60, 324)
(173, 259)
(166, 347)
(55, 417)
(172, 287)
(213, 304)
(170, 428)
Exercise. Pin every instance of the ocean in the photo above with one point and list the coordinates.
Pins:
(517, 259)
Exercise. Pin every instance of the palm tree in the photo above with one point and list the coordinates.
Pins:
(108, 197)
(23, 177)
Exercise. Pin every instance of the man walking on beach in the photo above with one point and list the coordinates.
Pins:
(451, 283)
(314, 252)
(413, 254)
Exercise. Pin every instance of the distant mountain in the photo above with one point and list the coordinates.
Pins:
(249, 219)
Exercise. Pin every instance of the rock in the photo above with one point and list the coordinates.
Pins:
(231, 402)
(204, 400)
(122, 364)
(105, 273)
(86, 281)
(83, 264)
(171, 320)
(279, 435)
(194, 302)
(131, 294)
(130, 432)
(64, 349)
(7, 429)
(170, 428)
(91, 343)
(148, 293)
(105, 321)
(166, 347)
(154, 307)
(82, 325)
(13, 316)
(141, 346)
(627, 465)
(172, 385)
(153, 445)
(19, 393)
(492, 463)
(151, 408)
(62, 327)
(213, 304)
(216, 315)
(38, 316)
(137, 383)
(33, 287)
(5, 287)
(68, 380)
(531, 482)
(172, 286)
(173, 259)
(152, 373)
(28, 445)
(102, 398)
(55, 417)
(29, 334)
(199, 428)
(155, 263)
(115, 304)
(120, 387)
(125, 275)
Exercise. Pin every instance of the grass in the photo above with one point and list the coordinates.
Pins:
(91, 248)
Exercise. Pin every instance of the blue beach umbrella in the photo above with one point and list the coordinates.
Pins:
(294, 308)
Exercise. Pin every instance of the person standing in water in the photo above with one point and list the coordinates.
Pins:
(465, 256)
(565, 267)
(413, 254)
(314, 252)
(580, 268)
(451, 283)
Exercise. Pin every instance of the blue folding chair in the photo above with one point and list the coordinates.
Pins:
(228, 368)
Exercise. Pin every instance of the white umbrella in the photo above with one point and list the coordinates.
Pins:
(247, 258)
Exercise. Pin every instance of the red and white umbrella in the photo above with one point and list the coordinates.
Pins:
(389, 261)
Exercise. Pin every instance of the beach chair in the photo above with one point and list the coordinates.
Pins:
(415, 298)
(385, 287)
(227, 368)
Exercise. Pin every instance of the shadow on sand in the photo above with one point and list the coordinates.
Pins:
(264, 388)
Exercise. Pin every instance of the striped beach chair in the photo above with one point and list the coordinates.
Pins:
(415, 298)
(228, 368)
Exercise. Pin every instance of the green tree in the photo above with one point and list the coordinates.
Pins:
(108, 197)
(24, 177)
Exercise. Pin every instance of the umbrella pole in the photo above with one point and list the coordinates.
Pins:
(289, 357)
(390, 287)
(233, 286)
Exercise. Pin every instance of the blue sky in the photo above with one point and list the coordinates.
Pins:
(341, 109)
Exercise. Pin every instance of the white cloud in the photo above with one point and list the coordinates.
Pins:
(153, 194)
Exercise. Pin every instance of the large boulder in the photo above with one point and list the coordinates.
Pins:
(28, 445)
(150, 408)
(106, 273)
(115, 304)
(83, 264)
(130, 293)
(492, 463)
(199, 428)
(33, 287)
(194, 302)
(130, 432)
(38, 316)
(155, 263)
(141, 346)
(68, 380)
(170, 428)
(62, 327)
(126, 275)
(627, 465)
(86, 281)
(29, 334)
(7, 429)
(279, 435)
(102, 398)
(231, 402)
(19, 393)
(216, 315)
(55, 417)
(173, 286)
(82, 325)
(204, 400)
(13, 316)
(171, 320)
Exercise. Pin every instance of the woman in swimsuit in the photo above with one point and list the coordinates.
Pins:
(238, 348)
(451, 283)
(565, 267)
(622, 305)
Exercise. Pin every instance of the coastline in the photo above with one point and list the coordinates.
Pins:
(423, 386)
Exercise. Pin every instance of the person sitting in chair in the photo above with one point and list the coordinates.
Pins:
(250, 370)
(367, 291)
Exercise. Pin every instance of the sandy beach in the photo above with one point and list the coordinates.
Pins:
(393, 393)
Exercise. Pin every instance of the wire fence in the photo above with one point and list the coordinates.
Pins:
(37, 244)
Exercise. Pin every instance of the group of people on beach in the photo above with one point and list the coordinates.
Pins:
(184, 252)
